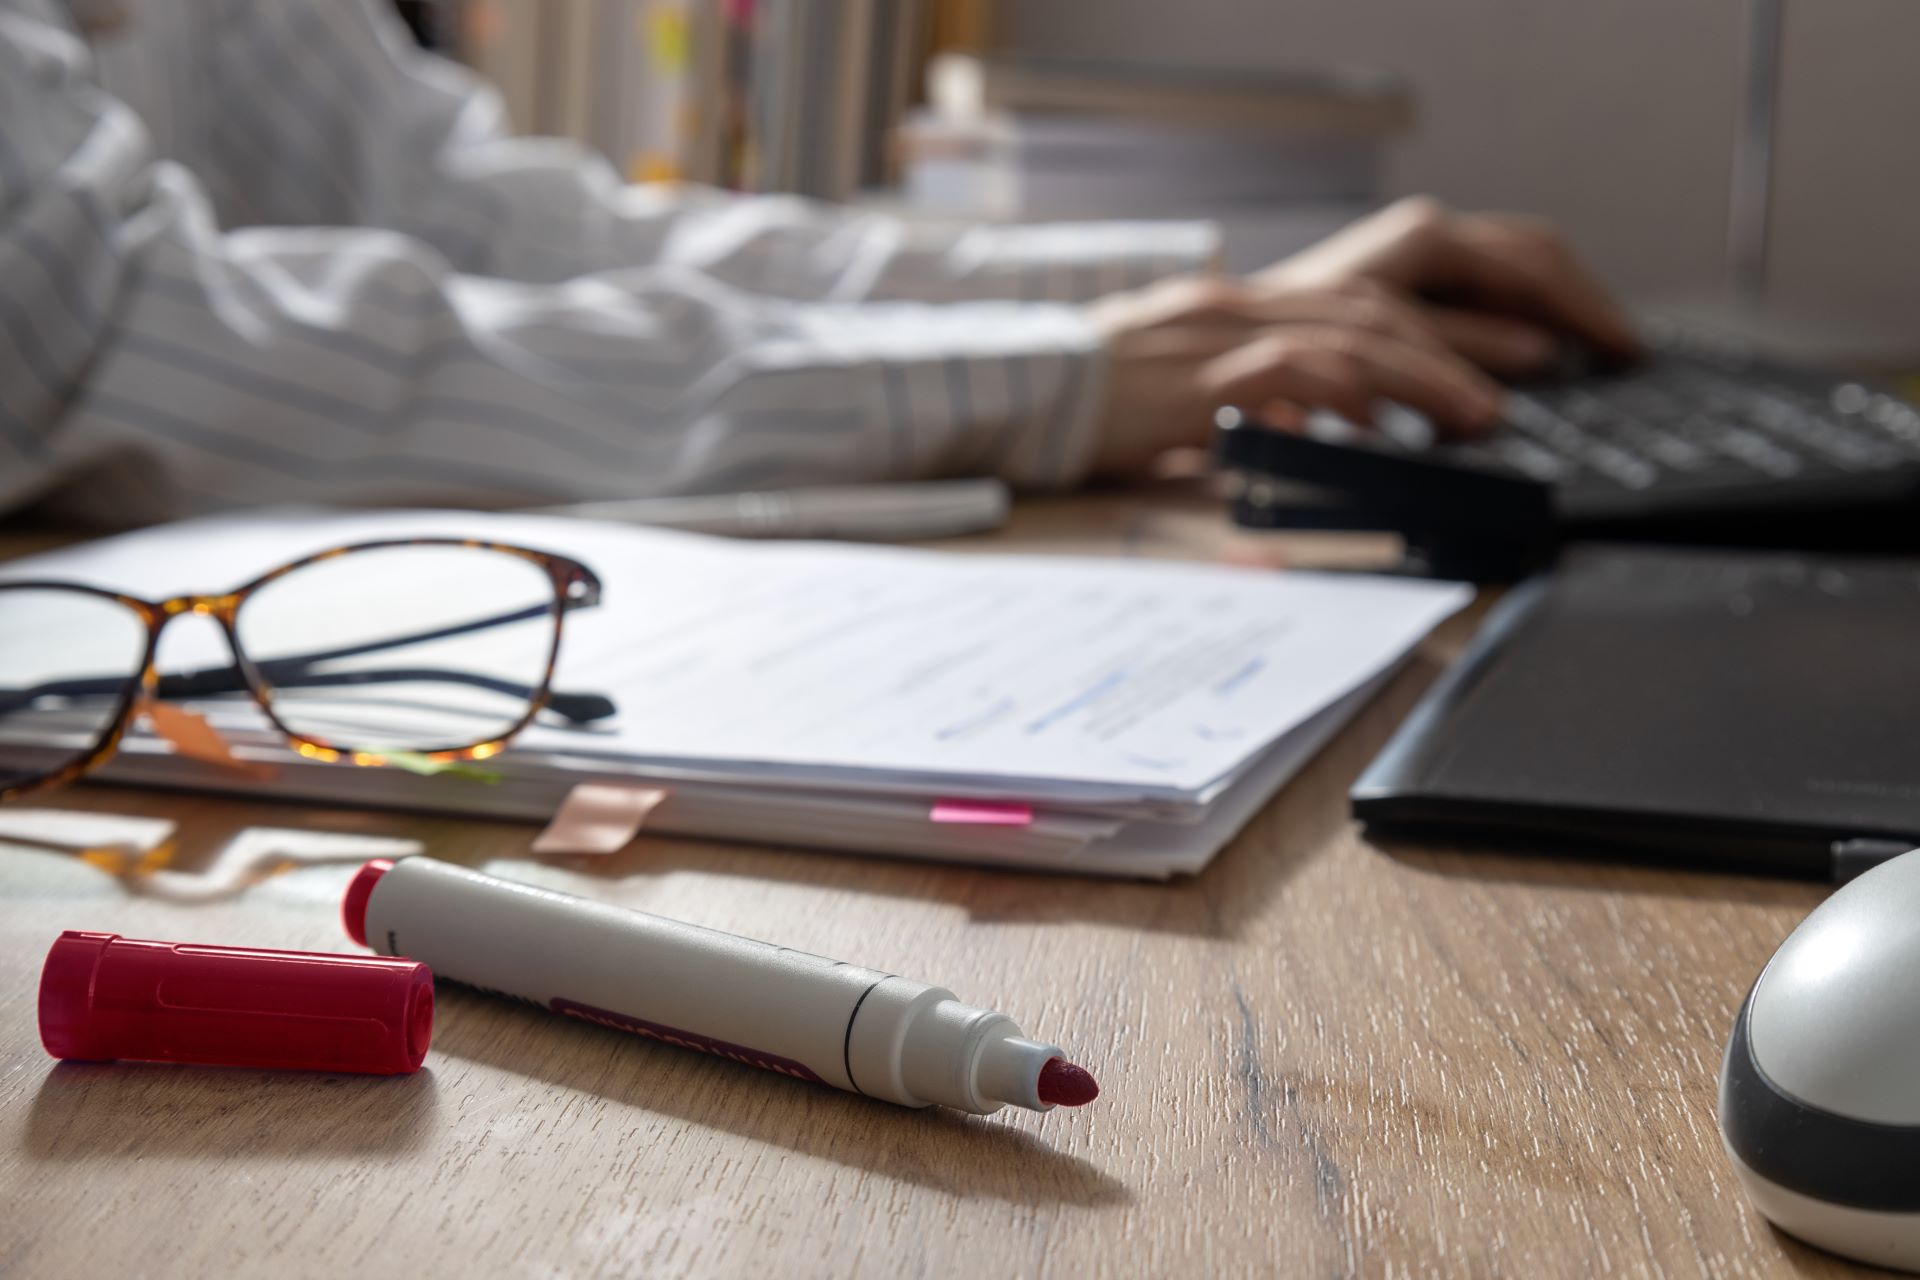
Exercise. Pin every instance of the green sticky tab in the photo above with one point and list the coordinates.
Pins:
(427, 766)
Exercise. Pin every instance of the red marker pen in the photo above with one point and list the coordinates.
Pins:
(856, 1029)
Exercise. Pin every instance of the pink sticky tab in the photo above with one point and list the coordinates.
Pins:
(982, 813)
(598, 817)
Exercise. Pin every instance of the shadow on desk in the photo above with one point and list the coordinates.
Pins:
(932, 1148)
(87, 1110)
(1611, 872)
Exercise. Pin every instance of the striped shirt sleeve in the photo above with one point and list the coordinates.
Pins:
(154, 364)
(348, 122)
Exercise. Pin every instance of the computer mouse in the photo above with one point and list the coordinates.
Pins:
(1820, 1088)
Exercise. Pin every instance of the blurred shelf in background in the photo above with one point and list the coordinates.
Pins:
(898, 103)
(759, 95)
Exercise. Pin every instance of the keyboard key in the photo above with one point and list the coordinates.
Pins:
(1851, 397)
(1665, 449)
(1757, 452)
(1525, 456)
(1618, 465)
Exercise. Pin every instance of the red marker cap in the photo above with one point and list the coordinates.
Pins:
(103, 996)
(353, 906)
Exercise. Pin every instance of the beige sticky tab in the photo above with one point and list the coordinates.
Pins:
(598, 817)
(190, 735)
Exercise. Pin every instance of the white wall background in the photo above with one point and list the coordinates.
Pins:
(1614, 118)
(1846, 201)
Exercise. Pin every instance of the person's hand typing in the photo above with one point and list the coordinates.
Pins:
(1416, 304)
(1182, 348)
(1502, 290)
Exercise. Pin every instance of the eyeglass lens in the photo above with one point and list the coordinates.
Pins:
(404, 648)
(68, 661)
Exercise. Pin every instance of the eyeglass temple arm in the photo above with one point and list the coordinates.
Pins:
(292, 672)
(580, 708)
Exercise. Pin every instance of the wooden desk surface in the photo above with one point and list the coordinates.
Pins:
(1319, 1057)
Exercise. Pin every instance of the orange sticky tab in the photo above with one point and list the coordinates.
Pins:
(982, 813)
(190, 735)
(598, 817)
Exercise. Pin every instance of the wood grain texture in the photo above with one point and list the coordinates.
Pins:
(1319, 1058)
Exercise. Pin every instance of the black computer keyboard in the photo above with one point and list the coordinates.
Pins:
(1687, 421)
(1698, 443)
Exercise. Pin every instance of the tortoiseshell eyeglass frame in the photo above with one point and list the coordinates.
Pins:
(574, 587)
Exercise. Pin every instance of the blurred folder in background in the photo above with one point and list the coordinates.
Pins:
(614, 74)
(1277, 158)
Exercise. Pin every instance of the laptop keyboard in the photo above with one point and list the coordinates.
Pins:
(1687, 420)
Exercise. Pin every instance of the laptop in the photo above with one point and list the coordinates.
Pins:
(1749, 711)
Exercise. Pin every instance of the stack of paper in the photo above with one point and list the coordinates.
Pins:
(1127, 718)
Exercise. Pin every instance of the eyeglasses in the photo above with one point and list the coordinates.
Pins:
(439, 648)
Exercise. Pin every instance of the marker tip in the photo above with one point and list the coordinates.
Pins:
(1064, 1085)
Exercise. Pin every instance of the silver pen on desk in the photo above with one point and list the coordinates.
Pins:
(880, 512)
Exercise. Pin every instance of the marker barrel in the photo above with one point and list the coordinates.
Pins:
(801, 1015)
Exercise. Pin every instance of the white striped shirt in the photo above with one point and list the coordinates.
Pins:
(266, 250)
